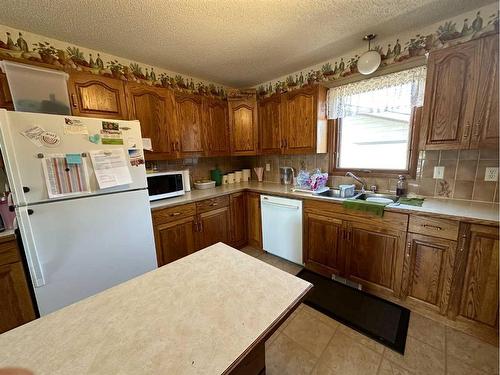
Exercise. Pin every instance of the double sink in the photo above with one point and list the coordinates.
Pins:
(365, 196)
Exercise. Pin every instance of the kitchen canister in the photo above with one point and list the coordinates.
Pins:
(224, 180)
(216, 175)
(238, 175)
(230, 178)
(246, 175)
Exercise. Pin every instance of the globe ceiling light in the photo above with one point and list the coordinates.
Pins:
(370, 60)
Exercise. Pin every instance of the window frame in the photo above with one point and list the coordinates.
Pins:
(412, 158)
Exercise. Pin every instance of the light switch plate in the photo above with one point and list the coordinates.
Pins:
(438, 172)
(491, 174)
(268, 167)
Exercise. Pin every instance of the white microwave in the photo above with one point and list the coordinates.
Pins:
(165, 184)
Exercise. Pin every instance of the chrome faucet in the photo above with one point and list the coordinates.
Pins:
(360, 180)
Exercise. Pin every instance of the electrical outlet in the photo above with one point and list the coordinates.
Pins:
(268, 167)
(491, 174)
(438, 172)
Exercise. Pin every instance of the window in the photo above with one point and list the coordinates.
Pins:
(372, 123)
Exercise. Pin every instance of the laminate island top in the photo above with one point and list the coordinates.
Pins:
(198, 315)
(455, 209)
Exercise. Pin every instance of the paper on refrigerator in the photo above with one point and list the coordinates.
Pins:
(111, 168)
(64, 179)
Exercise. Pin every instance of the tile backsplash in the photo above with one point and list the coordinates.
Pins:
(463, 178)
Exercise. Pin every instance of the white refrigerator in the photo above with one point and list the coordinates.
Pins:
(78, 243)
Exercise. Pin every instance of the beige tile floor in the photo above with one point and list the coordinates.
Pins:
(309, 342)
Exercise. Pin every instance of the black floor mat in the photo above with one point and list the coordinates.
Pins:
(374, 317)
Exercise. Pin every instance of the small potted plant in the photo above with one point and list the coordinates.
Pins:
(416, 46)
(47, 53)
(179, 81)
(116, 68)
(137, 71)
(327, 70)
(290, 82)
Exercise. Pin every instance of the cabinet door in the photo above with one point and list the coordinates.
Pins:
(300, 121)
(216, 127)
(485, 132)
(238, 206)
(214, 227)
(450, 94)
(323, 244)
(254, 220)
(375, 257)
(97, 96)
(175, 240)
(270, 138)
(154, 108)
(428, 271)
(15, 301)
(243, 127)
(189, 124)
(479, 300)
(5, 97)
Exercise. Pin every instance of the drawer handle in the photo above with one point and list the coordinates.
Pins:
(408, 248)
(432, 227)
(175, 214)
(213, 204)
(466, 132)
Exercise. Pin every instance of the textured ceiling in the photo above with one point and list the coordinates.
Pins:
(234, 42)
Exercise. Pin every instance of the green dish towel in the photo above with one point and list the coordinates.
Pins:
(361, 205)
(411, 201)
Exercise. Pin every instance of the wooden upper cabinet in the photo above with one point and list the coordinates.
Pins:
(97, 96)
(216, 127)
(479, 300)
(304, 126)
(5, 97)
(485, 129)
(155, 109)
(428, 271)
(270, 123)
(374, 258)
(461, 96)
(189, 116)
(243, 125)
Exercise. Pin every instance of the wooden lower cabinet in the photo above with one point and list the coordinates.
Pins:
(175, 240)
(367, 249)
(428, 271)
(238, 208)
(213, 227)
(323, 243)
(254, 220)
(16, 307)
(476, 298)
(374, 257)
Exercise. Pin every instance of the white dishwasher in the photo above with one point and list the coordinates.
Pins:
(282, 227)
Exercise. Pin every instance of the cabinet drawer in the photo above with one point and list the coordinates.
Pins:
(212, 204)
(170, 214)
(435, 227)
(9, 252)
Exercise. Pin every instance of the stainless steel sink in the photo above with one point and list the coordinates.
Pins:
(366, 195)
(335, 193)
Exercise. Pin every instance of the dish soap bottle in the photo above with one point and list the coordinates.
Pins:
(401, 186)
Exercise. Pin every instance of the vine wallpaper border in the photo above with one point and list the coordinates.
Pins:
(33, 48)
(475, 24)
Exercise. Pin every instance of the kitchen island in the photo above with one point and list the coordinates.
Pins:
(207, 313)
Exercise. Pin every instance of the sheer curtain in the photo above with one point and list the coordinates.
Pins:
(397, 92)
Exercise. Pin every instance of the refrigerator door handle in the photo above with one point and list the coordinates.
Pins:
(32, 258)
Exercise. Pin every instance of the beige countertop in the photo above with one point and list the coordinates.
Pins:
(471, 211)
(193, 316)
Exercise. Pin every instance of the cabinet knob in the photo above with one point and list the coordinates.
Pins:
(73, 101)
(30, 211)
(408, 248)
(26, 189)
(466, 131)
